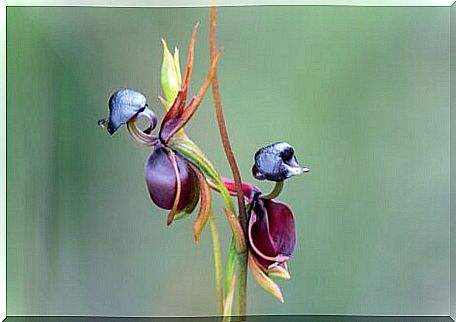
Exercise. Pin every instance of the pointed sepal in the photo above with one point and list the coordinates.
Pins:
(205, 207)
(178, 115)
(236, 228)
(279, 271)
(249, 189)
(263, 280)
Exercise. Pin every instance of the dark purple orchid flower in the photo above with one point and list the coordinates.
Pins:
(271, 229)
(172, 181)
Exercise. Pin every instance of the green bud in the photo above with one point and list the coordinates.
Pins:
(170, 74)
(177, 66)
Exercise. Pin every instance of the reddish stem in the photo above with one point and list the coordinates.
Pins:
(222, 126)
(229, 155)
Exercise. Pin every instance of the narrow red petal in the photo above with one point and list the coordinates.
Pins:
(174, 210)
(190, 57)
(191, 108)
(177, 108)
(249, 189)
(172, 116)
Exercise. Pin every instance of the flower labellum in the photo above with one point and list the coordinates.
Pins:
(276, 162)
(271, 233)
(124, 105)
(171, 181)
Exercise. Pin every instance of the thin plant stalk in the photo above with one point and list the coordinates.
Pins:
(275, 191)
(217, 262)
(229, 271)
(242, 258)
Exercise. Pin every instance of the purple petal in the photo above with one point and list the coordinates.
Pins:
(271, 232)
(190, 187)
(281, 227)
(260, 239)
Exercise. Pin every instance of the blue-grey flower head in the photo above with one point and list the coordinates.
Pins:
(276, 162)
(124, 105)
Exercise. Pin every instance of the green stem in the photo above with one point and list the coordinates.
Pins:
(230, 264)
(229, 275)
(193, 154)
(275, 191)
(217, 262)
(242, 285)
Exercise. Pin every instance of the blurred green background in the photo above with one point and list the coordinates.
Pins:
(452, 159)
(361, 93)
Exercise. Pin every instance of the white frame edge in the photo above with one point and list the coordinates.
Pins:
(131, 3)
(3, 162)
(205, 3)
